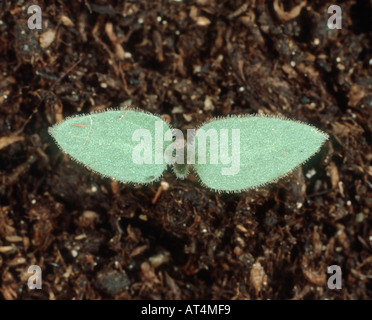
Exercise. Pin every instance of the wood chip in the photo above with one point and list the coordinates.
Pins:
(66, 21)
(333, 173)
(203, 21)
(6, 141)
(286, 16)
(6, 249)
(13, 238)
(258, 277)
(47, 38)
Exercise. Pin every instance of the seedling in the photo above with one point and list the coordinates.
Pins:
(230, 154)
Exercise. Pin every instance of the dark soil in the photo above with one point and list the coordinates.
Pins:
(189, 61)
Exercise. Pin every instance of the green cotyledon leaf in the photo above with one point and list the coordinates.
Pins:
(230, 154)
(249, 151)
(121, 144)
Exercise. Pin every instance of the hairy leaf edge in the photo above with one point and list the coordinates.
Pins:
(261, 185)
(122, 108)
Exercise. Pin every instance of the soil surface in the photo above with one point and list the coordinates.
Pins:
(188, 61)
